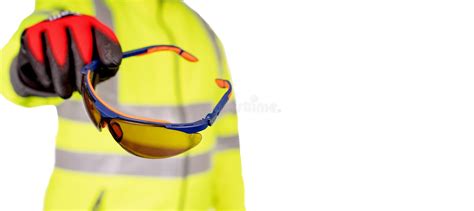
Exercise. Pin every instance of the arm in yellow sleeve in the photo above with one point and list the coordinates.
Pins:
(229, 186)
(8, 63)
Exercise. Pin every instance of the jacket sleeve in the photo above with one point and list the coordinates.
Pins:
(8, 65)
(229, 186)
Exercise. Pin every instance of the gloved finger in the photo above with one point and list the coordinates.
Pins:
(58, 60)
(108, 49)
(81, 48)
(33, 48)
(27, 75)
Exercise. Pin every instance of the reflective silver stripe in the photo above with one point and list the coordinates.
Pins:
(112, 164)
(226, 143)
(108, 89)
(75, 110)
(192, 112)
(103, 13)
(230, 108)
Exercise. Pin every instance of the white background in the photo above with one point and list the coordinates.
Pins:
(344, 105)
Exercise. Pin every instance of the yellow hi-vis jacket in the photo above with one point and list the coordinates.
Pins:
(92, 172)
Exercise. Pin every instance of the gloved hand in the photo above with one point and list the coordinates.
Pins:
(54, 51)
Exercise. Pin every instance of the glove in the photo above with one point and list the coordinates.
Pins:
(54, 51)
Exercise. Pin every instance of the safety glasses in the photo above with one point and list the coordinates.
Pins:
(145, 137)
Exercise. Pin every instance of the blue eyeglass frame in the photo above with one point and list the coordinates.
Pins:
(107, 113)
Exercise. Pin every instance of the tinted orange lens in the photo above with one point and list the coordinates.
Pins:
(152, 141)
(90, 107)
